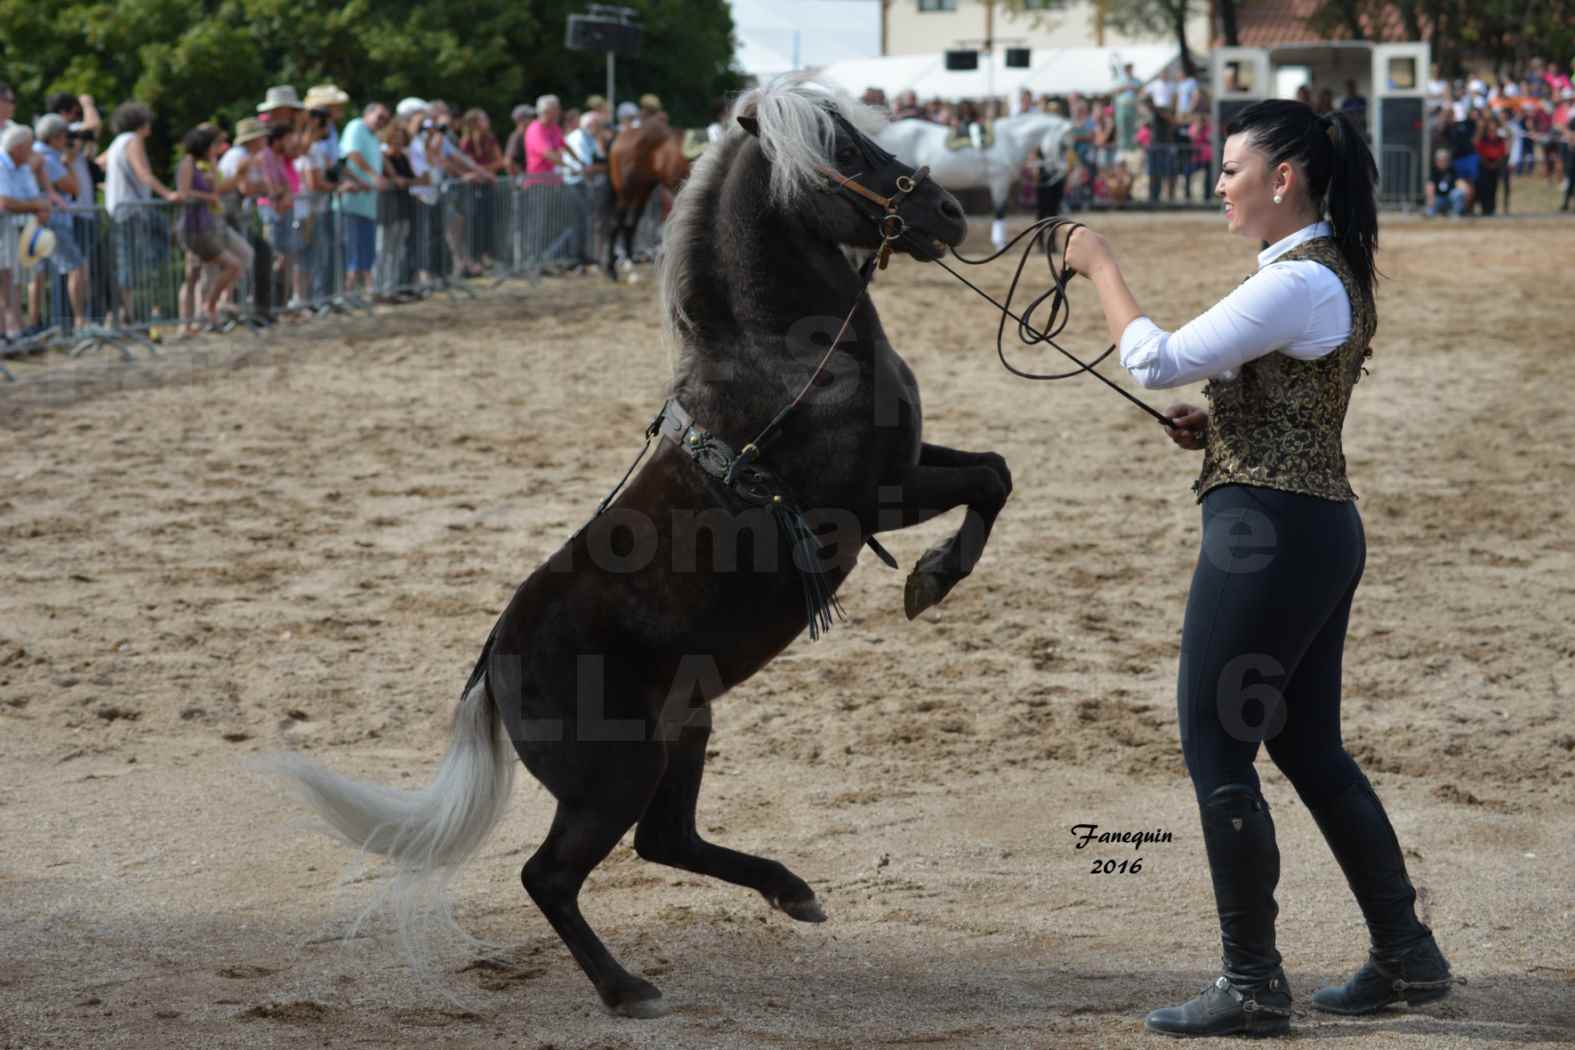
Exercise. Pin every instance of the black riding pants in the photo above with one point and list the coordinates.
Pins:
(1263, 637)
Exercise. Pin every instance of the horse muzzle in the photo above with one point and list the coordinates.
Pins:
(932, 222)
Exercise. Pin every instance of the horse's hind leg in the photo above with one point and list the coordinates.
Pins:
(667, 833)
(631, 226)
(588, 824)
(614, 224)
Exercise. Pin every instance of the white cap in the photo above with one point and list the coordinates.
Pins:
(627, 110)
(409, 105)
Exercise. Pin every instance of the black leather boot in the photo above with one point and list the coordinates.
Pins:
(1419, 975)
(1404, 961)
(1252, 997)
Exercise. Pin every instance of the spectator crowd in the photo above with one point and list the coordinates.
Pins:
(289, 213)
(1151, 140)
(293, 210)
(1488, 131)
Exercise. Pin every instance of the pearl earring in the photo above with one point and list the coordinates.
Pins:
(1277, 198)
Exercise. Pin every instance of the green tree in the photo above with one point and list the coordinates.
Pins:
(1155, 18)
(1158, 18)
(1503, 33)
(1228, 24)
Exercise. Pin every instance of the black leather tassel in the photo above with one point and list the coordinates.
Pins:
(820, 601)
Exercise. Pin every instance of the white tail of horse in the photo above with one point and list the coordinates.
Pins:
(430, 832)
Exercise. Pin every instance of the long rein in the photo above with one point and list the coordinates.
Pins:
(892, 226)
(1060, 310)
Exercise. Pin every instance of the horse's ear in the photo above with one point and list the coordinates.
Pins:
(748, 122)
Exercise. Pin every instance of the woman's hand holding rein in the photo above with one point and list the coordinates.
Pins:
(1190, 427)
(1089, 254)
(1083, 251)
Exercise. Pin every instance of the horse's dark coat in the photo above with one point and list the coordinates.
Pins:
(679, 591)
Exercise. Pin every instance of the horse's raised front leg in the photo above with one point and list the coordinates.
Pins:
(945, 478)
(667, 832)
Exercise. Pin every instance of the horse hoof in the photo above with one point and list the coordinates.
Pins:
(923, 590)
(642, 1009)
(806, 910)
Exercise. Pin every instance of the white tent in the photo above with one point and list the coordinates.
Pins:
(891, 74)
(1093, 70)
(941, 82)
(1053, 71)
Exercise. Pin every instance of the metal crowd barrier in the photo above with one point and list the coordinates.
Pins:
(1173, 173)
(134, 283)
(1398, 178)
(67, 298)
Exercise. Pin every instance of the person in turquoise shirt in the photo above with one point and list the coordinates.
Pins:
(363, 156)
(1126, 111)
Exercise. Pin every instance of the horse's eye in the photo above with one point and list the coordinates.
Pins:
(846, 154)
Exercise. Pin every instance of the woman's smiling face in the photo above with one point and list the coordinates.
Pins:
(1246, 185)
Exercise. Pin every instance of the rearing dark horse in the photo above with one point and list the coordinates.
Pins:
(601, 670)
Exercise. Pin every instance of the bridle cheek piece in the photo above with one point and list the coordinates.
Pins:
(890, 224)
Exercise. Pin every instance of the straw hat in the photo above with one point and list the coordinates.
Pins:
(249, 128)
(283, 97)
(321, 96)
(595, 102)
(37, 243)
(650, 103)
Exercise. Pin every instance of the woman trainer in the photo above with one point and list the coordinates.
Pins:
(1282, 552)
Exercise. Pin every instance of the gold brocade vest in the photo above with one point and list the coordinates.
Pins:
(1277, 424)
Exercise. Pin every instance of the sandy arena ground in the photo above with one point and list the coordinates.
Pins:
(304, 547)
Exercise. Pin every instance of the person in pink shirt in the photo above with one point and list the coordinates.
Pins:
(1557, 80)
(544, 145)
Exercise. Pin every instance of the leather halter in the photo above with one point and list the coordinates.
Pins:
(890, 222)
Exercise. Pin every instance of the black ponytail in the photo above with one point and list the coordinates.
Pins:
(1342, 178)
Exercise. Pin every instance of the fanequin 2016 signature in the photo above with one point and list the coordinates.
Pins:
(1087, 833)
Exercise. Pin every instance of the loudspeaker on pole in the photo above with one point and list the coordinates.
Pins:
(596, 34)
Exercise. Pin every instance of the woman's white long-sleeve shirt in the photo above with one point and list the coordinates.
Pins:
(1296, 307)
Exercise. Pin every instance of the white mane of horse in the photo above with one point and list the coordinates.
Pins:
(797, 132)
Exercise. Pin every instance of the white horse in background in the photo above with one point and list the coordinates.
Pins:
(919, 142)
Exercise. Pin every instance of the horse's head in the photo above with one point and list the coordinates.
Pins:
(828, 171)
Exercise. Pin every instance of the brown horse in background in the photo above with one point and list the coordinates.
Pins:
(642, 159)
